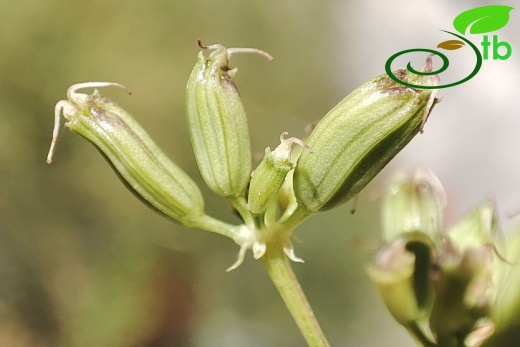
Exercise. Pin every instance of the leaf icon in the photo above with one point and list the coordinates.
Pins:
(482, 19)
(451, 45)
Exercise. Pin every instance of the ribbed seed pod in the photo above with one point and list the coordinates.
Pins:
(359, 136)
(217, 123)
(270, 174)
(142, 166)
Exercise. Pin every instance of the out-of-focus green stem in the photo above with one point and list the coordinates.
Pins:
(280, 271)
(419, 335)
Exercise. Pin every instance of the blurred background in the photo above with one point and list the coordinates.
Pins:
(84, 263)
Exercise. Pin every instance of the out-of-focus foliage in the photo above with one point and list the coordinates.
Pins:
(84, 263)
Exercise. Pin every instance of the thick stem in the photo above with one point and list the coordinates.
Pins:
(280, 271)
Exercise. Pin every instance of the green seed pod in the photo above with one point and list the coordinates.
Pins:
(359, 136)
(270, 174)
(217, 122)
(142, 166)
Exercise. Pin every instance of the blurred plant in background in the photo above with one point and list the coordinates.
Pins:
(447, 288)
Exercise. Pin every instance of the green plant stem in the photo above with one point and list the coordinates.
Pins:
(416, 331)
(240, 205)
(217, 226)
(280, 271)
(288, 223)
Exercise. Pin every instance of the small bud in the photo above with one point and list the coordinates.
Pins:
(142, 166)
(359, 136)
(270, 174)
(217, 122)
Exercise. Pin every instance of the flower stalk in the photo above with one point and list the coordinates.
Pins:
(280, 271)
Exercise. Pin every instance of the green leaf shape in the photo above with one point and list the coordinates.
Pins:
(451, 45)
(482, 19)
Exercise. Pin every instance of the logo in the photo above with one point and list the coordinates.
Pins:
(479, 20)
